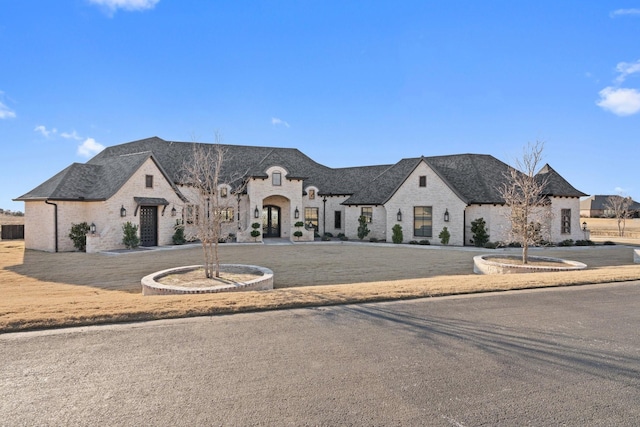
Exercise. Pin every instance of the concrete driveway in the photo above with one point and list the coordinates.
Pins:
(552, 357)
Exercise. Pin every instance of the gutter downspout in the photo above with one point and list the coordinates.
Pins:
(464, 227)
(324, 215)
(55, 220)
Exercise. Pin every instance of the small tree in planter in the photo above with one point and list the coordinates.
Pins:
(130, 235)
(363, 229)
(397, 236)
(444, 236)
(78, 235)
(255, 232)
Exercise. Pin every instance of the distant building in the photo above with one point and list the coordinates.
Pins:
(596, 207)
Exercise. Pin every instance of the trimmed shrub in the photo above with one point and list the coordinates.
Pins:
(567, 242)
(480, 235)
(130, 237)
(584, 243)
(424, 242)
(78, 235)
(397, 236)
(413, 242)
(444, 236)
(491, 245)
(609, 243)
(178, 235)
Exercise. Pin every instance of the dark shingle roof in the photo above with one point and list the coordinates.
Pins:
(476, 178)
(556, 184)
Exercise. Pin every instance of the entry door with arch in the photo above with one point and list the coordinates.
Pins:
(270, 221)
(148, 226)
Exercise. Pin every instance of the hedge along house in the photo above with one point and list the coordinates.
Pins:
(277, 188)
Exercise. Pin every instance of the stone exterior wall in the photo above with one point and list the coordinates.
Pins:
(106, 215)
(377, 226)
(436, 194)
(498, 225)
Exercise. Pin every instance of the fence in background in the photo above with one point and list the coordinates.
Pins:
(12, 232)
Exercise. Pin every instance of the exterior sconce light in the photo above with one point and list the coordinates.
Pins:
(123, 211)
(92, 228)
(584, 226)
(296, 213)
(256, 213)
(399, 216)
(174, 212)
(446, 215)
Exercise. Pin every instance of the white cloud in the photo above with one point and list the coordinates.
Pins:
(72, 135)
(622, 12)
(44, 131)
(277, 122)
(620, 101)
(5, 112)
(89, 148)
(626, 69)
(130, 5)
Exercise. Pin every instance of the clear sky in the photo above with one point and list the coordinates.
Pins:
(349, 83)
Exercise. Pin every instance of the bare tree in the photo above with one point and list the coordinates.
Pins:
(618, 207)
(212, 207)
(523, 194)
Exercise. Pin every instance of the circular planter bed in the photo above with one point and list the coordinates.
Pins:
(512, 264)
(248, 278)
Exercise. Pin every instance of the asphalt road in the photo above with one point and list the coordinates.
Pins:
(552, 357)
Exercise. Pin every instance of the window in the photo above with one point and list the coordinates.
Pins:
(565, 221)
(422, 180)
(223, 192)
(226, 214)
(276, 178)
(337, 220)
(312, 194)
(311, 218)
(148, 180)
(422, 221)
(367, 213)
(193, 214)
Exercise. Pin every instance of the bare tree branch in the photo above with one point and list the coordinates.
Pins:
(524, 193)
(618, 207)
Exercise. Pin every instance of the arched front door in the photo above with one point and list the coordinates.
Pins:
(270, 221)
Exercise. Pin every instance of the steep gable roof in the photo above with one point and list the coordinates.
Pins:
(475, 178)
(97, 180)
(556, 185)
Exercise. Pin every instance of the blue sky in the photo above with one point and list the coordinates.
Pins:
(348, 83)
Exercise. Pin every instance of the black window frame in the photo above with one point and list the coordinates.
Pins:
(367, 212)
(422, 181)
(420, 220)
(337, 220)
(311, 218)
(565, 221)
(276, 179)
(148, 181)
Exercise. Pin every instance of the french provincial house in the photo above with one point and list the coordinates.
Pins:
(141, 182)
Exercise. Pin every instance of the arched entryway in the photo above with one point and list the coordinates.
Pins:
(271, 221)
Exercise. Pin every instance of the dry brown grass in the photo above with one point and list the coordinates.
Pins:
(11, 219)
(44, 290)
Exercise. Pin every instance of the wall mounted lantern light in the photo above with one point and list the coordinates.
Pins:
(584, 226)
(92, 228)
(174, 212)
(123, 211)
(296, 213)
(256, 213)
(446, 215)
(399, 215)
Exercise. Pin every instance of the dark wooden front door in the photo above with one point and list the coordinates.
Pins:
(148, 226)
(271, 221)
